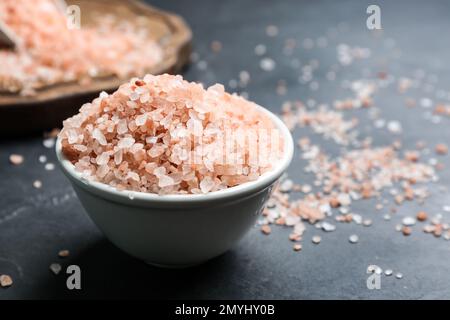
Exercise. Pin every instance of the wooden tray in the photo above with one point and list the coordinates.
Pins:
(51, 105)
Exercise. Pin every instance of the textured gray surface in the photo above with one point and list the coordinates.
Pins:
(35, 224)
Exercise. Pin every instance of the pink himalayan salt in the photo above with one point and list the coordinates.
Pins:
(48, 52)
(174, 142)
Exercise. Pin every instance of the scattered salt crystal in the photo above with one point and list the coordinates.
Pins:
(409, 221)
(357, 218)
(260, 49)
(272, 31)
(233, 84)
(316, 239)
(5, 281)
(388, 272)
(202, 65)
(344, 199)
(426, 102)
(267, 64)
(42, 159)
(244, 77)
(292, 220)
(266, 229)
(306, 188)
(49, 166)
(353, 238)
(286, 185)
(37, 184)
(328, 227)
(16, 159)
(394, 127)
(63, 253)
(373, 268)
(299, 228)
(49, 143)
(55, 268)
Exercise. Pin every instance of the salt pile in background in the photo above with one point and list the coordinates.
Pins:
(48, 52)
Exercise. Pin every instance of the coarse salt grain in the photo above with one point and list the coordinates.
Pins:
(49, 143)
(266, 229)
(63, 253)
(16, 159)
(55, 268)
(316, 239)
(5, 281)
(37, 184)
(441, 149)
(267, 64)
(49, 166)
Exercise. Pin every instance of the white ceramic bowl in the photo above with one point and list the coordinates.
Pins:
(177, 230)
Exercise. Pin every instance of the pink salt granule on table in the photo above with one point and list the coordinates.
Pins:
(49, 52)
(165, 135)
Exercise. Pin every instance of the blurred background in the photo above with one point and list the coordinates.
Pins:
(273, 53)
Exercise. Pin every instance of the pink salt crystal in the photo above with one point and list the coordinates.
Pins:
(207, 184)
(165, 181)
(134, 96)
(131, 104)
(151, 140)
(160, 171)
(140, 120)
(80, 147)
(103, 158)
(122, 126)
(188, 140)
(133, 175)
(156, 151)
(118, 156)
(72, 136)
(126, 142)
(102, 170)
(99, 136)
(150, 167)
(145, 97)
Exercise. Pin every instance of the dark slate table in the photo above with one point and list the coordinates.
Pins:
(36, 223)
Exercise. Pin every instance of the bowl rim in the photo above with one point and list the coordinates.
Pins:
(136, 197)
